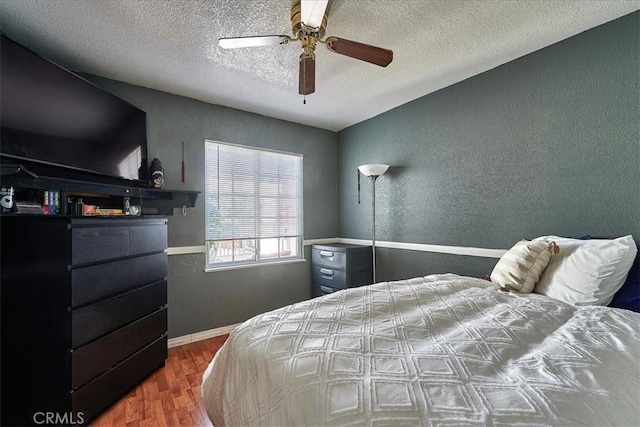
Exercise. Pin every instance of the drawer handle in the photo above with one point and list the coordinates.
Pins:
(327, 289)
(326, 254)
(326, 272)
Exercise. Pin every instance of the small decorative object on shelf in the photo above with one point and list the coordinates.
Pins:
(79, 207)
(88, 210)
(32, 208)
(157, 174)
(6, 199)
(127, 205)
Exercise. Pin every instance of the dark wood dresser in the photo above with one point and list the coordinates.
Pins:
(84, 316)
(338, 266)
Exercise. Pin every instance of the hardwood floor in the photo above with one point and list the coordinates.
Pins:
(171, 396)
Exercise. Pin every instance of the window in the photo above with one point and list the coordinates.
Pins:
(253, 205)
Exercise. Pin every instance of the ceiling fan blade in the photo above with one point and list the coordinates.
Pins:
(364, 52)
(307, 78)
(252, 41)
(312, 12)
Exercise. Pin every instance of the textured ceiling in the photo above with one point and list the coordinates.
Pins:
(172, 46)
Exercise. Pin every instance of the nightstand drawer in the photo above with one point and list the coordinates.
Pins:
(340, 279)
(319, 290)
(330, 259)
(342, 256)
(328, 276)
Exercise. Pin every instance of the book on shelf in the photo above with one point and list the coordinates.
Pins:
(51, 202)
(45, 202)
(109, 211)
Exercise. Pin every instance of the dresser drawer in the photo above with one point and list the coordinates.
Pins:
(342, 256)
(93, 359)
(95, 320)
(92, 244)
(105, 390)
(340, 279)
(103, 280)
(144, 239)
(95, 244)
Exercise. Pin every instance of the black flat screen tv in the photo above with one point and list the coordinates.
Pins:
(50, 116)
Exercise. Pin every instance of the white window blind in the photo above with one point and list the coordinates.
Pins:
(253, 205)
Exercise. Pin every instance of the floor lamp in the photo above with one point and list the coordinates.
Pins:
(373, 172)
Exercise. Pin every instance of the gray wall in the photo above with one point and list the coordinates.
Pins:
(546, 144)
(197, 300)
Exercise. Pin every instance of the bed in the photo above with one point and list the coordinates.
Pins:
(436, 350)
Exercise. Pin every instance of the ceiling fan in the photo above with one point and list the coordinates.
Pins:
(308, 24)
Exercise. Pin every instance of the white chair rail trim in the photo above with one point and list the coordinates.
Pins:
(422, 247)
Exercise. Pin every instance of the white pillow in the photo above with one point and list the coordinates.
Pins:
(620, 276)
(587, 272)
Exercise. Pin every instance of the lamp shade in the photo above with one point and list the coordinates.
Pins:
(373, 170)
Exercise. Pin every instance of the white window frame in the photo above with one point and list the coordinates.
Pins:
(219, 237)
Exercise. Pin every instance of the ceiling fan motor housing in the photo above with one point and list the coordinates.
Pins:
(308, 47)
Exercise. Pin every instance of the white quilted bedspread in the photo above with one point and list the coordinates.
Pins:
(438, 350)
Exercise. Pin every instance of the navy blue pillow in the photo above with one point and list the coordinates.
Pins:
(628, 296)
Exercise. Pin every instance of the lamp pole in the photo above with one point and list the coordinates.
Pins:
(372, 171)
(373, 231)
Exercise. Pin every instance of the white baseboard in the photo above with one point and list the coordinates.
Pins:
(199, 336)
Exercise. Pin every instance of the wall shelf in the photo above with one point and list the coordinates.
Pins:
(163, 201)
